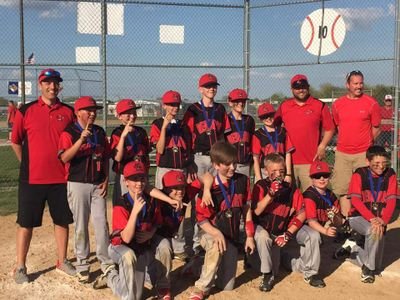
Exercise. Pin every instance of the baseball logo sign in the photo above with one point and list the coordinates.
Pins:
(323, 29)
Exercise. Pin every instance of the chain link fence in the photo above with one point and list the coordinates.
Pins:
(139, 49)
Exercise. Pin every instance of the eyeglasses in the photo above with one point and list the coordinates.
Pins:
(354, 73)
(319, 175)
(52, 74)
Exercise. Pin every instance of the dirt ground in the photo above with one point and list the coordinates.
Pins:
(342, 278)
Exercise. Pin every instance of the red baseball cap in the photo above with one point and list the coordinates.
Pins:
(237, 95)
(265, 109)
(86, 102)
(208, 79)
(299, 80)
(173, 178)
(171, 97)
(319, 167)
(125, 105)
(49, 73)
(134, 168)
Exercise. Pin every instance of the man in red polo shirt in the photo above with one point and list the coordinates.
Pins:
(304, 117)
(36, 131)
(385, 139)
(357, 117)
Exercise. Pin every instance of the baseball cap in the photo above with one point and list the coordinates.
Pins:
(126, 104)
(208, 79)
(299, 80)
(265, 109)
(134, 169)
(171, 97)
(173, 178)
(49, 73)
(86, 102)
(319, 167)
(388, 97)
(237, 95)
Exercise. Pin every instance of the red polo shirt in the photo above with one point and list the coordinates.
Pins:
(355, 118)
(37, 127)
(303, 125)
(387, 115)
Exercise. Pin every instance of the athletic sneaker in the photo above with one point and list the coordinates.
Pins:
(101, 281)
(181, 256)
(197, 294)
(267, 282)
(83, 276)
(66, 268)
(20, 276)
(344, 251)
(367, 275)
(315, 281)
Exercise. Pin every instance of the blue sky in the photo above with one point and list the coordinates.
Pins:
(213, 37)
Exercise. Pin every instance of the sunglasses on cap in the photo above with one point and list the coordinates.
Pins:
(52, 74)
(319, 175)
(354, 73)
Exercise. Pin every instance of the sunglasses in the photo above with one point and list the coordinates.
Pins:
(52, 74)
(319, 175)
(354, 73)
(212, 86)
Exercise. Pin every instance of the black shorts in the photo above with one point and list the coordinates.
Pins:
(32, 199)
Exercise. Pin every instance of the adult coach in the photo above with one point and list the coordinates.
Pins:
(36, 132)
(305, 117)
(385, 138)
(357, 117)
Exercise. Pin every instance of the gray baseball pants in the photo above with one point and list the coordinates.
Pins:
(84, 201)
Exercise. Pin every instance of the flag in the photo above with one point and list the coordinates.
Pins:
(31, 59)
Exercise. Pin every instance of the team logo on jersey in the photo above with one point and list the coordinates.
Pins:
(308, 111)
(60, 118)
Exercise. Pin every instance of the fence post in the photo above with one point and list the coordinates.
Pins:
(246, 47)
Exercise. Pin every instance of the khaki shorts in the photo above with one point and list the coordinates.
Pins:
(345, 165)
(302, 176)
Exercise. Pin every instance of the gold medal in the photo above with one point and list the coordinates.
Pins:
(241, 144)
(208, 132)
(175, 149)
(375, 206)
(228, 213)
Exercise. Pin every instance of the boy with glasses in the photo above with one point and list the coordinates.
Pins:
(243, 127)
(321, 206)
(373, 192)
(309, 124)
(270, 139)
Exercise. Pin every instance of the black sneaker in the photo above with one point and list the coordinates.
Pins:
(267, 282)
(367, 275)
(315, 281)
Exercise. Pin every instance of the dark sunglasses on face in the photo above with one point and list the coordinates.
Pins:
(319, 175)
(354, 73)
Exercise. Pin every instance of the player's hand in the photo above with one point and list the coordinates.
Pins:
(85, 134)
(176, 204)
(138, 203)
(167, 119)
(127, 129)
(281, 240)
(274, 188)
(377, 221)
(330, 231)
(377, 230)
(192, 174)
(249, 245)
(103, 187)
(219, 241)
(334, 209)
(288, 179)
(320, 153)
(144, 236)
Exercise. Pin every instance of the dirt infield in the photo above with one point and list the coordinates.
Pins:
(342, 279)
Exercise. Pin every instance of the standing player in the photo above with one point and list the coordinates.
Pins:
(373, 192)
(128, 143)
(207, 121)
(278, 215)
(219, 234)
(11, 110)
(243, 127)
(270, 139)
(306, 120)
(353, 113)
(36, 130)
(85, 150)
(321, 206)
(171, 138)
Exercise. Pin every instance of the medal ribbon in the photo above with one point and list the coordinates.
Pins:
(144, 209)
(173, 130)
(271, 140)
(205, 115)
(326, 198)
(375, 193)
(132, 141)
(232, 191)
(89, 140)
(239, 129)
